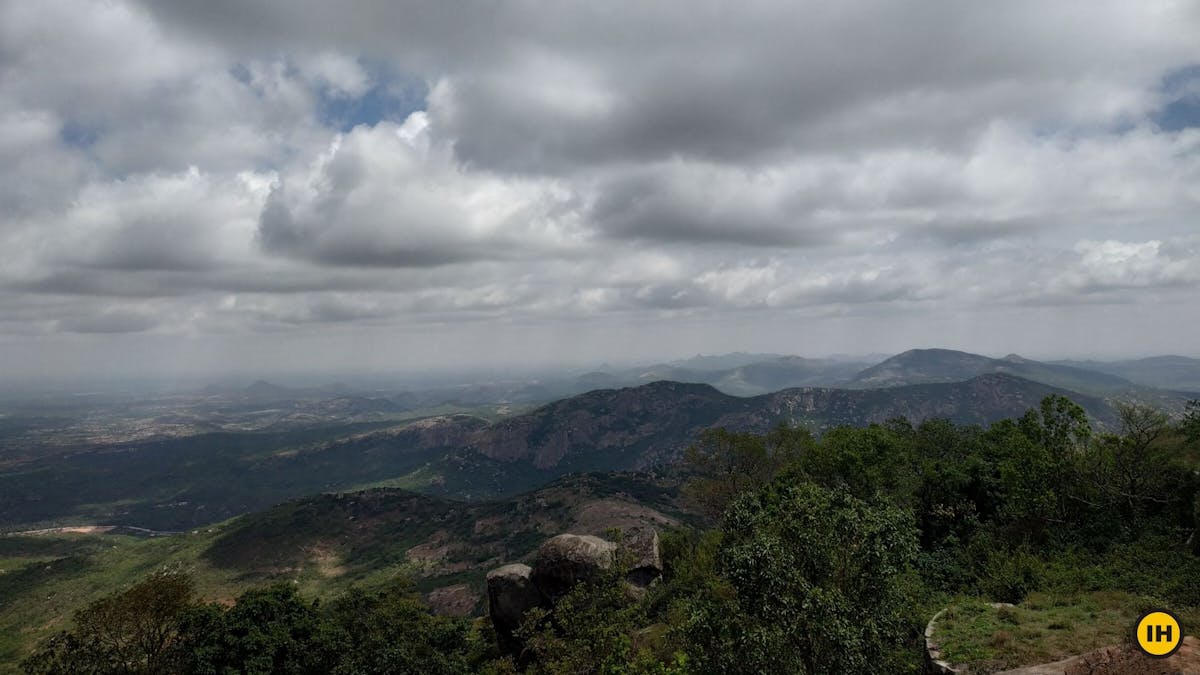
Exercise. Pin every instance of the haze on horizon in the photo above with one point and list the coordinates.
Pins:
(271, 186)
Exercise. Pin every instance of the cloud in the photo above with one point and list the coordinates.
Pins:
(236, 169)
(1115, 265)
(391, 196)
(113, 321)
(185, 221)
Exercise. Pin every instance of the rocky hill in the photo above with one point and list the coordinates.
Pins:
(638, 427)
(343, 537)
(207, 478)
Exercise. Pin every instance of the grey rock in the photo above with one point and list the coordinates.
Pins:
(568, 559)
(511, 593)
(639, 550)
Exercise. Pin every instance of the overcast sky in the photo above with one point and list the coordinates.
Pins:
(272, 185)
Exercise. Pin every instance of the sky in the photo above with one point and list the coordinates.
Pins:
(265, 185)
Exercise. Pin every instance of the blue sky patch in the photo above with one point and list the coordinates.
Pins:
(79, 135)
(1182, 111)
(391, 97)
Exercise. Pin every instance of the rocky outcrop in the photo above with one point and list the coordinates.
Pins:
(640, 553)
(511, 593)
(568, 559)
(562, 562)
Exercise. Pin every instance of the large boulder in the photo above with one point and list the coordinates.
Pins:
(568, 559)
(562, 562)
(640, 554)
(511, 593)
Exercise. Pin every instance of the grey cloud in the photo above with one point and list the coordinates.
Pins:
(279, 233)
(109, 322)
(119, 283)
(678, 203)
(548, 87)
(591, 163)
(968, 231)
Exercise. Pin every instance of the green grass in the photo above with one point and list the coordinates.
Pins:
(1043, 628)
(38, 597)
(9, 564)
(416, 480)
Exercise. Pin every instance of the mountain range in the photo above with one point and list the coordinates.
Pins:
(178, 483)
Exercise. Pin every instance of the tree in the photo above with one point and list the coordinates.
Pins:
(392, 631)
(1059, 434)
(132, 632)
(269, 630)
(870, 462)
(1133, 473)
(815, 584)
(729, 464)
(1059, 425)
(1191, 421)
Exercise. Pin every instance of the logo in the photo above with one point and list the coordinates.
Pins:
(1157, 633)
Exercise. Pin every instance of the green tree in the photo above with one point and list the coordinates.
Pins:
(269, 631)
(1190, 426)
(728, 464)
(869, 462)
(1058, 424)
(132, 632)
(816, 582)
(1134, 475)
(1036, 475)
(592, 630)
(392, 631)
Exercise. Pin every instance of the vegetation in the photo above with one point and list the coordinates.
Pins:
(819, 555)
(1043, 628)
(157, 627)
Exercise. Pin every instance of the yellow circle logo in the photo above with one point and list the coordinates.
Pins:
(1158, 633)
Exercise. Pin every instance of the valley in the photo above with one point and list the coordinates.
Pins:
(268, 483)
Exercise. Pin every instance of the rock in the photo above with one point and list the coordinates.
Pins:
(560, 563)
(458, 600)
(511, 593)
(640, 551)
(568, 559)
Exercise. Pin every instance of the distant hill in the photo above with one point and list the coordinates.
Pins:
(638, 427)
(1180, 373)
(738, 374)
(176, 484)
(724, 361)
(924, 366)
(785, 372)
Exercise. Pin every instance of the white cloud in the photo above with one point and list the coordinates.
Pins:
(340, 74)
(601, 164)
(1115, 265)
(392, 195)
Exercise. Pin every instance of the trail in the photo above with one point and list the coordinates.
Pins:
(93, 529)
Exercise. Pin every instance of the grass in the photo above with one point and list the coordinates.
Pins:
(1043, 628)
(323, 544)
(416, 480)
(39, 596)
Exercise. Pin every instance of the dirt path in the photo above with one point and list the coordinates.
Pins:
(1123, 660)
(91, 529)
